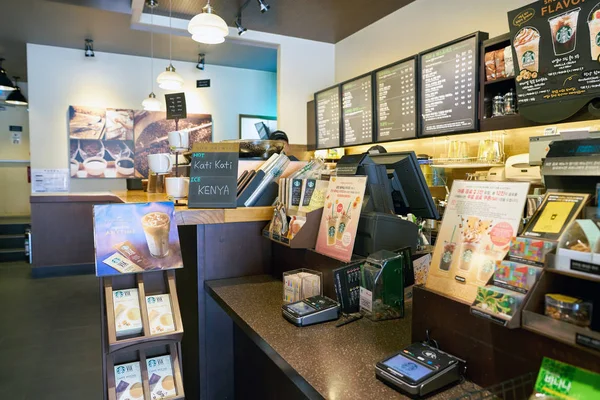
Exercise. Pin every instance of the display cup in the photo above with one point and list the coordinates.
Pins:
(95, 166)
(447, 254)
(160, 163)
(564, 31)
(179, 140)
(331, 231)
(157, 226)
(468, 252)
(594, 26)
(178, 187)
(125, 166)
(344, 219)
(527, 47)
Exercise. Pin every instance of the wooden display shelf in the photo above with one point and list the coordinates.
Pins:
(148, 283)
(500, 80)
(306, 238)
(505, 122)
(141, 353)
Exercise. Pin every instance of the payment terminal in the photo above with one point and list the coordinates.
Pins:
(420, 369)
(313, 310)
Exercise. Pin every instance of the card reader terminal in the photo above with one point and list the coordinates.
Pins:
(313, 310)
(420, 369)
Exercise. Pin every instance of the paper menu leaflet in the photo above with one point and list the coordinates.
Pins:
(160, 315)
(128, 381)
(160, 377)
(128, 319)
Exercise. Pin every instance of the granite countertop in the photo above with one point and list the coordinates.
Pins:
(338, 363)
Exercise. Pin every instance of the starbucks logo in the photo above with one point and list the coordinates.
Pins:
(564, 34)
(120, 370)
(331, 231)
(118, 294)
(598, 39)
(342, 227)
(152, 363)
(528, 58)
(311, 184)
(447, 257)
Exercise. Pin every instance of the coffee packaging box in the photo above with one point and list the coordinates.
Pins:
(160, 377)
(128, 319)
(128, 381)
(160, 315)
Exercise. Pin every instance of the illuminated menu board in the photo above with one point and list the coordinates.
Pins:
(357, 111)
(449, 88)
(396, 101)
(327, 105)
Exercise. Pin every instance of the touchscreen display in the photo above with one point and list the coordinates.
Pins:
(406, 367)
(301, 308)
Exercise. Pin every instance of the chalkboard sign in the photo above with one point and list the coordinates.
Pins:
(176, 108)
(327, 112)
(213, 175)
(201, 83)
(556, 52)
(449, 87)
(396, 101)
(357, 111)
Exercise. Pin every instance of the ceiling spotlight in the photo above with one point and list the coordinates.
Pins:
(5, 82)
(201, 63)
(264, 7)
(16, 97)
(89, 48)
(238, 24)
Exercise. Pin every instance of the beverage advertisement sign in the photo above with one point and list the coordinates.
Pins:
(131, 238)
(478, 225)
(557, 47)
(339, 223)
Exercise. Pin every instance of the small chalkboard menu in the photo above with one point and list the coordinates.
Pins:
(213, 175)
(176, 108)
(327, 111)
(449, 87)
(556, 51)
(357, 111)
(396, 101)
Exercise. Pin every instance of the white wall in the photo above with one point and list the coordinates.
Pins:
(59, 77)
(419, 26)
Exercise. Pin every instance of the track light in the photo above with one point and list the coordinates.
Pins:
(201, 63)
(89, 48)
(264, 7)
(16, 97)
(238, 24)
(5, 82)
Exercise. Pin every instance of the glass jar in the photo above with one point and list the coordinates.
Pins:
(510, 103)
(498, 106)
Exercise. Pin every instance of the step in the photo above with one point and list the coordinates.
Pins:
(14, 254)
(13, 229)
(12, 241)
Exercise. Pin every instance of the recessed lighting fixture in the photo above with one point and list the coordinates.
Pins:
(170, 79)
(16, 97)
(5, 82)
(240, 27)
(264, 7)
(151, 103)
(201, 62)
(89, 48)
(207, 27)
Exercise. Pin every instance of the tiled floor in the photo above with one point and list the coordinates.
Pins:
(49, 336)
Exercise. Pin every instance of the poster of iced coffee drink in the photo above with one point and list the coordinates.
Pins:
(131, 238)
(478, 225)
(341, 212)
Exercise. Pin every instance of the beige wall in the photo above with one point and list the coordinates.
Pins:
(14, 199)
(419, 26)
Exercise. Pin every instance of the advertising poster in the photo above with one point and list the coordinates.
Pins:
(478, 225)
(131, 238)
(556, 46)
(339, 223)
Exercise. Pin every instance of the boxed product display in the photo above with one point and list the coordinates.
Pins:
(516, 276)
(579, 249)
(558, 380)
(128, 381)
(530, 250)
(160, 314)
(568, 309)
(490, 66)
(128, 319)
(160, 377)
(497, 300)
(301, 284)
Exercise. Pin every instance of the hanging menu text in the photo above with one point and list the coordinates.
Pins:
(357, 111)
(328, 118)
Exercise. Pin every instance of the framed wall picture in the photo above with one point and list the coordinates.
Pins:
(257, 126)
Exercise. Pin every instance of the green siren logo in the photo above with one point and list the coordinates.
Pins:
(564, 34)
(528, 58)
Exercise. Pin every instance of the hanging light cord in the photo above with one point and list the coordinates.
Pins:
(152, 49)
(170, 31)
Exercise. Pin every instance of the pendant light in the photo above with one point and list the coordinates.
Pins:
(207, 27)
(16, 97)
(170, 79)
(151, 103)
(5, 82)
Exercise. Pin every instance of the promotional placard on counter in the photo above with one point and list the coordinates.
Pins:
(176, 108)
(557, 48)
(478, 225)
(213, 175)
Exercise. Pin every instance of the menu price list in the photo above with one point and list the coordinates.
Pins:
(328, 118)
(448, 88)
(396, 101)
(357, 111)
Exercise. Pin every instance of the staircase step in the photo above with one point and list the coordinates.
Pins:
(12, 241)
(13, 229)
(16, 236)
(14, 254)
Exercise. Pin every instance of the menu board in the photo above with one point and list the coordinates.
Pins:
(449, 88)
(357, 111)
(556, 45)
(327, 105)
(176, 108)
(395, 101)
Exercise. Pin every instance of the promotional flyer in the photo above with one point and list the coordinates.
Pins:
(131, 238)
(339, 223)
(478, 225)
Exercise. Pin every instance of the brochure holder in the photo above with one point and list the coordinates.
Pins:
(306, 238)
(266, 198)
